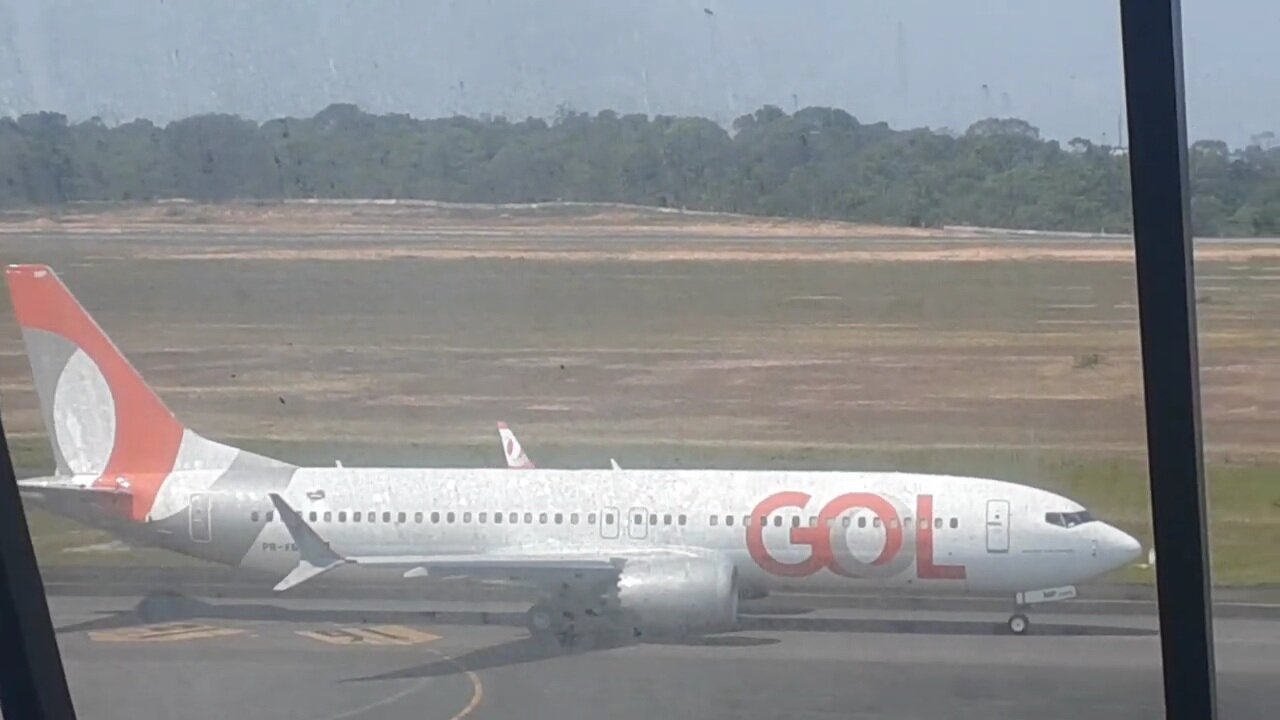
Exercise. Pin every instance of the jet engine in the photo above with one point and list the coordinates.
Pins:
(674, 595)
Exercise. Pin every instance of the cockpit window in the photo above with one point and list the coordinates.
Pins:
(1068, 519)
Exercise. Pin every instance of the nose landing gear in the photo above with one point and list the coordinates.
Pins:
(1018, 623)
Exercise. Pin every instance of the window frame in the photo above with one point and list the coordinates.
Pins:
(35, 684)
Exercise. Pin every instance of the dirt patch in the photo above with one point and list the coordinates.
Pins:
(365, 217)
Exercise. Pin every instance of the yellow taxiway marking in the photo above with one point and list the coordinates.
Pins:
(477, 687)
(371, 635)
(477, 693)
(163, 632)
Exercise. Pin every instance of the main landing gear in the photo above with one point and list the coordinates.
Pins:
(565, 628)
(1019, 623)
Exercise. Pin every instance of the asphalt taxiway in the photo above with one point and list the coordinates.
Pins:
(327, 659)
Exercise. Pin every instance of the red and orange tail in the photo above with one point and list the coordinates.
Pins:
(102, 418)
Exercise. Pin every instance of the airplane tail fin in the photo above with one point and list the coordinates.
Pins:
(102, 418)
(515, 455)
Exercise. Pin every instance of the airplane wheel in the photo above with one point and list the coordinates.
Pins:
(540, 620)
(1018, 624)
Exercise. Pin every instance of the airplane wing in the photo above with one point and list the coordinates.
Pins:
(544, 567)
(516, 458)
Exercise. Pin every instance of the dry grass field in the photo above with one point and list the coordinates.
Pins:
(399, 334)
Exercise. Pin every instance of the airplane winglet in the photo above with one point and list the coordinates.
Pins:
(315, 557)
(614, 464)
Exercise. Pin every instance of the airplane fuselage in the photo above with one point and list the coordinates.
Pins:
(820, 530)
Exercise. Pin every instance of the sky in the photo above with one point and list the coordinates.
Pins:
(911, 63)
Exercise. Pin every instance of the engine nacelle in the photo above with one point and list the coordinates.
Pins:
(680, 595)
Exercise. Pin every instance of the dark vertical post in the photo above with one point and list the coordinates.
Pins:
(1152, 33)
(32, 683)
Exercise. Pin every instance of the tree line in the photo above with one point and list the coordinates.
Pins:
(819, 163)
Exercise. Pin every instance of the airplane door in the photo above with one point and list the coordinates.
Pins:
(998, 526)
(609, 523)
(636, 526)
(200, 525)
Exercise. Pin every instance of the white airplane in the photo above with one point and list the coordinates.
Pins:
(630, 551)
(514, 451)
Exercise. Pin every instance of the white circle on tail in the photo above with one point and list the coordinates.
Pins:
(84, 415)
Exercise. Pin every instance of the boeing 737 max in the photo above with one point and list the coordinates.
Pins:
(651, 551)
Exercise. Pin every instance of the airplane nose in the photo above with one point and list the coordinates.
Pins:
(1124, 547)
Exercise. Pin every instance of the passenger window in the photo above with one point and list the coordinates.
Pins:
(715, 519)
(466, 517)
(666, 519)
(875, 522)
(497, 518)
(450, 517)
(653, 519)
(746, 521)
(271, 515)
(608, 518)
(862, 521)
(728, 520)
(328, 516)
(573, 518)
(846, 521)
(342, 516)
(813, 521)
(253, 516)
(955, 523)
(435, 517)
(795, 521)
(638, 519)
(683, 519)
(417, 518)
(386, 517)
(559, 518)
(542, 518)
(484, 517)
(402, 518)
(777, 521)
(355, 516)
(937, 523)
(313, 516)
(906, 522)
(528, 518)
(513, 518)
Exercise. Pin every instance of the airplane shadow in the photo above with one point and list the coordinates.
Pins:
(526, 650)
(169, 607)
(898, 626)
(515, 652)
